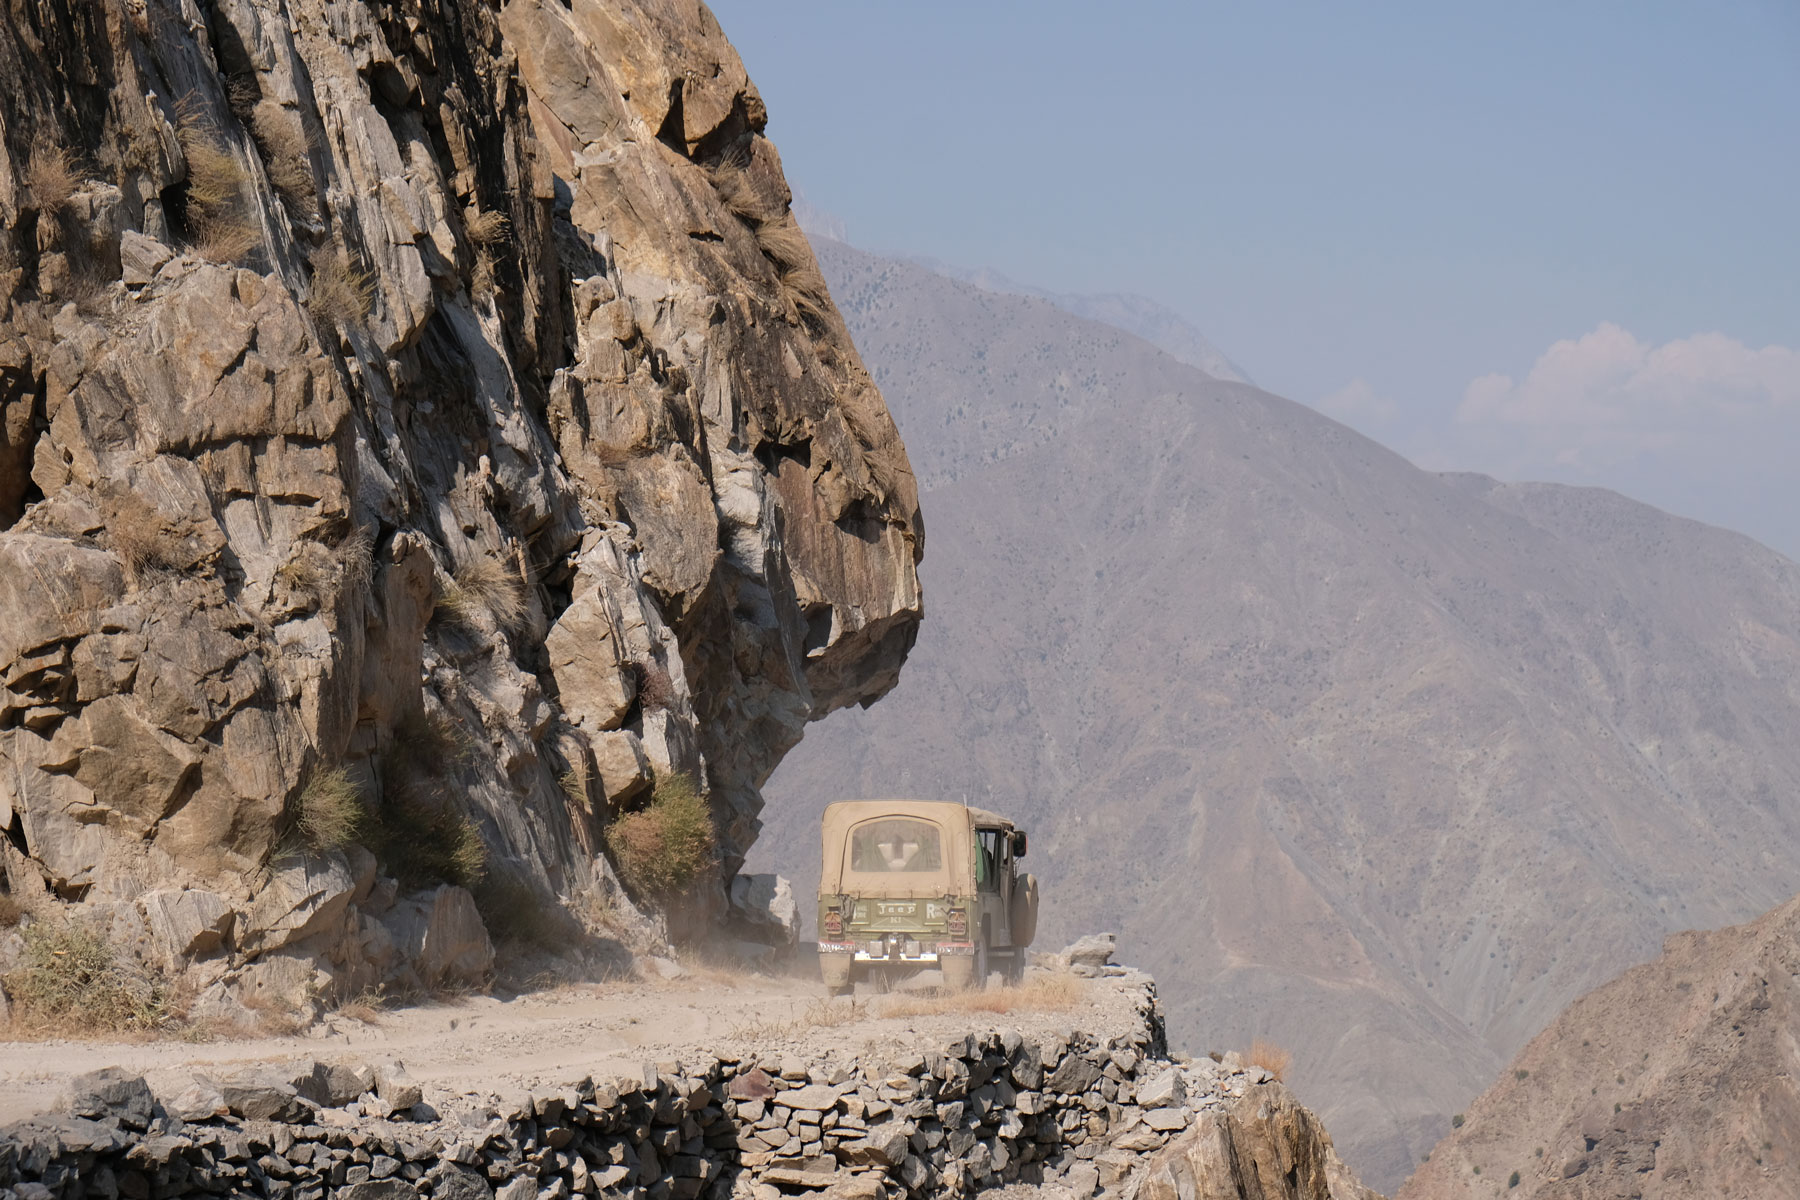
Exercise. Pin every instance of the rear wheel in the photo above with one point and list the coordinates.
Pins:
(981, 966)
(1015, 967)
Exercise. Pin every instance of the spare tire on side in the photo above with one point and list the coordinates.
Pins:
(1024, 914)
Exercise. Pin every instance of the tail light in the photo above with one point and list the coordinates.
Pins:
(834, 924)
(957, 921)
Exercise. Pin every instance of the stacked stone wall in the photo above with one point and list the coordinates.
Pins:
(990, 1108)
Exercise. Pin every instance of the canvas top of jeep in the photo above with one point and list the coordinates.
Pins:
(901, 848)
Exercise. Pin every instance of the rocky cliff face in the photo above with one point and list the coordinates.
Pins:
(429, 401)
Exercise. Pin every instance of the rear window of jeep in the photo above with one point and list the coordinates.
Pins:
(896, 845)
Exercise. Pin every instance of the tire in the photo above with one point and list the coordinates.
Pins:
(1015, 967)
(979, 984)
(1023, 915)
(958, 971)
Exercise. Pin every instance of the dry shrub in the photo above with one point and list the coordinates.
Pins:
(483, 584)
(10, 911)
(663, 847)
(51, 177)
(241, 94)
(1269, 1057)
(417, 830)
(69, 979)
(218, 215)
(141, 537)
(331, 810)
(342, 293)
(513, 911)
(655, 686)
(1047, 993)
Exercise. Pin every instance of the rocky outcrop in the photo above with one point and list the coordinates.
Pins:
(1679, 1078)
(1265, 1146)
(432, 406)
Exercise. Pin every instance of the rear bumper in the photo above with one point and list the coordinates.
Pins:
(861, 952)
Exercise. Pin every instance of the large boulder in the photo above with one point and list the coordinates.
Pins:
(763, 907)
(440, 935)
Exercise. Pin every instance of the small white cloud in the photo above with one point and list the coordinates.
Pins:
(1357, 402)
(1607, 396)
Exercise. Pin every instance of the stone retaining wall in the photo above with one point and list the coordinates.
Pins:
(990, 1108)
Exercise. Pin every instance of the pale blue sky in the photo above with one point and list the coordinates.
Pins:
(1370, 207)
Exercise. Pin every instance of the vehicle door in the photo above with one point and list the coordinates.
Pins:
(993, 883)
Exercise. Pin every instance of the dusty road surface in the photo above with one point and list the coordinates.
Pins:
(479, 1045)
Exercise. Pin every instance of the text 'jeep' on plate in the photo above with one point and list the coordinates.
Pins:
(908, 885)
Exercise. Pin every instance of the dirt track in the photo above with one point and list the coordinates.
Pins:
(478, 1045)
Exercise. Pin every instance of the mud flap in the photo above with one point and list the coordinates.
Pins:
(834, 969)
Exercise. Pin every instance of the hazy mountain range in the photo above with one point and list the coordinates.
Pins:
(1385, 765)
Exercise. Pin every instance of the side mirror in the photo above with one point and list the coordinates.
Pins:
(1018, 843)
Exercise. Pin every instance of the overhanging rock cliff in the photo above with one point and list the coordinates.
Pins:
(434, 403)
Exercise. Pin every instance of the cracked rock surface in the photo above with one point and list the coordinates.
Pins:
(437, 397)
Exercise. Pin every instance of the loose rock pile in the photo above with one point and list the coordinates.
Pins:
(1079, 1108)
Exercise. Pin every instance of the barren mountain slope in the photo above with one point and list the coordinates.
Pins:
(1676, 1079)
(1384, 765)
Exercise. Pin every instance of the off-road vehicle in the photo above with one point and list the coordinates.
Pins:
(908, 885)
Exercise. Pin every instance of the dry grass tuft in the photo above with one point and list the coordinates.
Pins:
(1046, 993)
(357, 554)
(574, 785)
(331, 810)
(482, 280)
(1269, 1057)
(10, 911)
(51, 177)
(287, 155)
(342, 293)
(69, 978)
(732, 184)
(218, 214)
(366, 1006)
(784, 244)
(483, 584)
(141, 537)
(488, 228)
(664, 847)
(306, 572)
